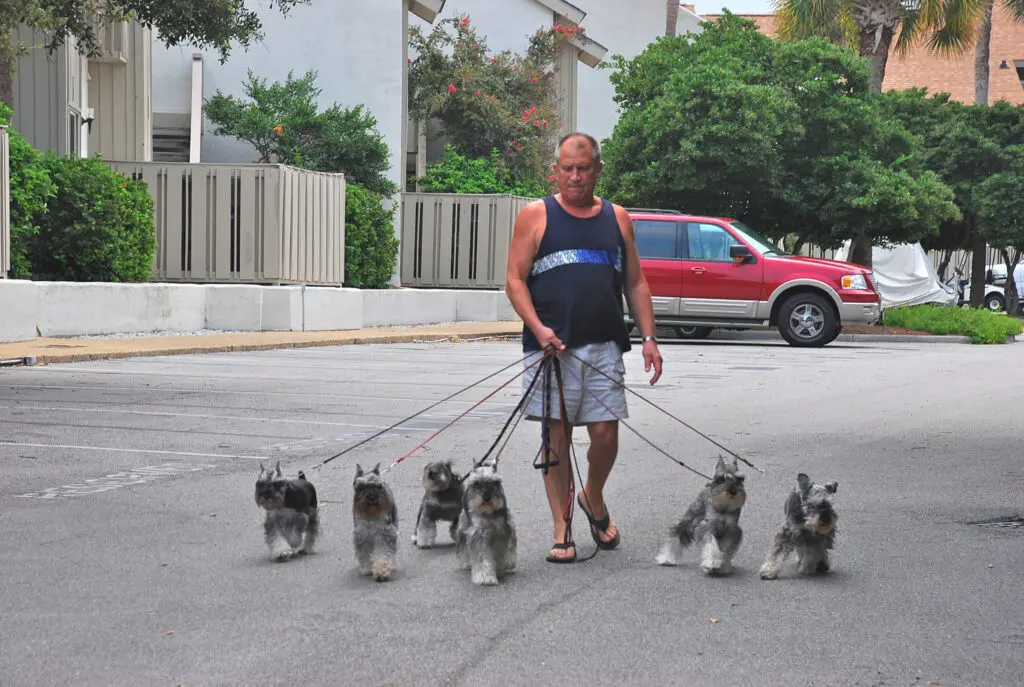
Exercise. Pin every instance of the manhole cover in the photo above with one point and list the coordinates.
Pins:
(1003, 524)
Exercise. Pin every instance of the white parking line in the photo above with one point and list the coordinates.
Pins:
(132, 450)
(358, 397)
(116, 480)
(200, 417)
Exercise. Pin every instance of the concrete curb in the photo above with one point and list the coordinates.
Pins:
(111, 349)
(848, 338)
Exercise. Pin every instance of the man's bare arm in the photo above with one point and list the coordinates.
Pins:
(520, 261)
(638, 291)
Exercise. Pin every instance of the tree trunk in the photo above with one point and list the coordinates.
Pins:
(671, 17)
(1010, 290)
(981, 56)
(860, 251)
(978, 250)
(7, 82)
(947, 255)
(878, 56)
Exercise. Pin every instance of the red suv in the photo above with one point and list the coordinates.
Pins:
(709, 272)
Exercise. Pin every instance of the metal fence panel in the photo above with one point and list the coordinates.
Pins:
(257, 224)
(452, 240)
(5, 202)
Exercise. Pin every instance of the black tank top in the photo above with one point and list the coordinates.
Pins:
(577, 277)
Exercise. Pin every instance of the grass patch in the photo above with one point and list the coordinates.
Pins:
(983, 326)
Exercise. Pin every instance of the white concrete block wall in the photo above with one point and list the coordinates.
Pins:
(61, 309)
(329, 309)
(234, 307)
(282, 309)
(19, 305)
(396, 307)
(74, 309)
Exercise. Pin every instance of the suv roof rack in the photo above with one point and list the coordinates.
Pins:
(656, 211)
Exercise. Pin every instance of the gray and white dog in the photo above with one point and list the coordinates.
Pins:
(375, 522)
(485, 538)
(809, 529)
(292, 523)
(442, 502)
(713, 519)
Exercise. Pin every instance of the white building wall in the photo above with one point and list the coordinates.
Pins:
(625, 28)
(506, 25)
(357, 48)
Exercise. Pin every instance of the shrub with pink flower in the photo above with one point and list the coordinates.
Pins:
(487, 102)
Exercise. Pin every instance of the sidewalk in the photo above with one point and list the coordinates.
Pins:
(51, 350)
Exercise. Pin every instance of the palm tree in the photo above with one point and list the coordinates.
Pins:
(671, 16)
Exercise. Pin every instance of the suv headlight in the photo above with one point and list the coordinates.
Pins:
(854, 281)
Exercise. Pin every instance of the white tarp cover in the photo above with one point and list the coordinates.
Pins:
(904, 275)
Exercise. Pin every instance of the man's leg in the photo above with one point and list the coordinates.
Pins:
(604, 447)
(556, 484)
(602, 406)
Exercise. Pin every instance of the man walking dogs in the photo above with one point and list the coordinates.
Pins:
(571, 257)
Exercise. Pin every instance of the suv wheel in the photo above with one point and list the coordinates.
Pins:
(807, 319)
(995, 303)
(692, 332)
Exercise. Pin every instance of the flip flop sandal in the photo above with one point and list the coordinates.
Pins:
(599, 527)
(562, 559)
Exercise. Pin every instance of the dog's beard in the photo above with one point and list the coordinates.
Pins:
(270, 500)
(819, 523)
(370, 505)
(723, 501)
(477, 504)
(437, 484)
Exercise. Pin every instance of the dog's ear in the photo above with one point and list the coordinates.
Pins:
(359, 470)
(262, 469)
(804, 482)
(278, 468)
(376, 469)
(720, 466)
(831, 487)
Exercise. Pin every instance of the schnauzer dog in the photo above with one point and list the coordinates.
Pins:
(713, 519)
(809, 529)
(485, 538)
(292, 523)
(375, 520)
(441, 502)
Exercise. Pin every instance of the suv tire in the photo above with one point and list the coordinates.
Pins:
(693, 332)
(807, 320)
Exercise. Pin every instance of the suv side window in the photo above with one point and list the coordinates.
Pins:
(657, 240)
(708, 242)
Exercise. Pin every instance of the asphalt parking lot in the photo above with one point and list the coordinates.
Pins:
(132, 549)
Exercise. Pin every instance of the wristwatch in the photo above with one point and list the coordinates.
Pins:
(650, 338)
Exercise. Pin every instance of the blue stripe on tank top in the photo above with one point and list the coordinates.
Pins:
(578, 256)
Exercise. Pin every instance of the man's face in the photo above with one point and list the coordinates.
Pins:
(576, 172)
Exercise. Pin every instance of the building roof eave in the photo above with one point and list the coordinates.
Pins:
(591, 52)
(427, 10)
(564, 8)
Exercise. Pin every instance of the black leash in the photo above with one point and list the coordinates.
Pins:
(418, 413)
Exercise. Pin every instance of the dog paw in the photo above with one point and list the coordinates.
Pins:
(665, 557)
(485, 579)
(382, 571)
(823, 567)
(768, 572)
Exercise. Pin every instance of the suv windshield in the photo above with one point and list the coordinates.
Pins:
(759, 242)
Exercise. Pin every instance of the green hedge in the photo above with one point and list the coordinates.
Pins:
(456, 173)
(371, 247)
(981, 325)
(76, 219)
(98, 227)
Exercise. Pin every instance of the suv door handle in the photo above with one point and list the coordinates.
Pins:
(698, 270)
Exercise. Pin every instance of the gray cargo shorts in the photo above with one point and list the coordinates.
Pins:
(582, 405)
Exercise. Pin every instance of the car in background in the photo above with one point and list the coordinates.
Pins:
(709, 273)
(995, 287)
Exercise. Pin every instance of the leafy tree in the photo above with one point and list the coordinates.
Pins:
(484, 102)
(283, 124)
(784, 136)
(371, 247)
(214, 24)
(1000, 202)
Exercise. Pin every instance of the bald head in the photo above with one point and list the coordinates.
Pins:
(577, 143)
